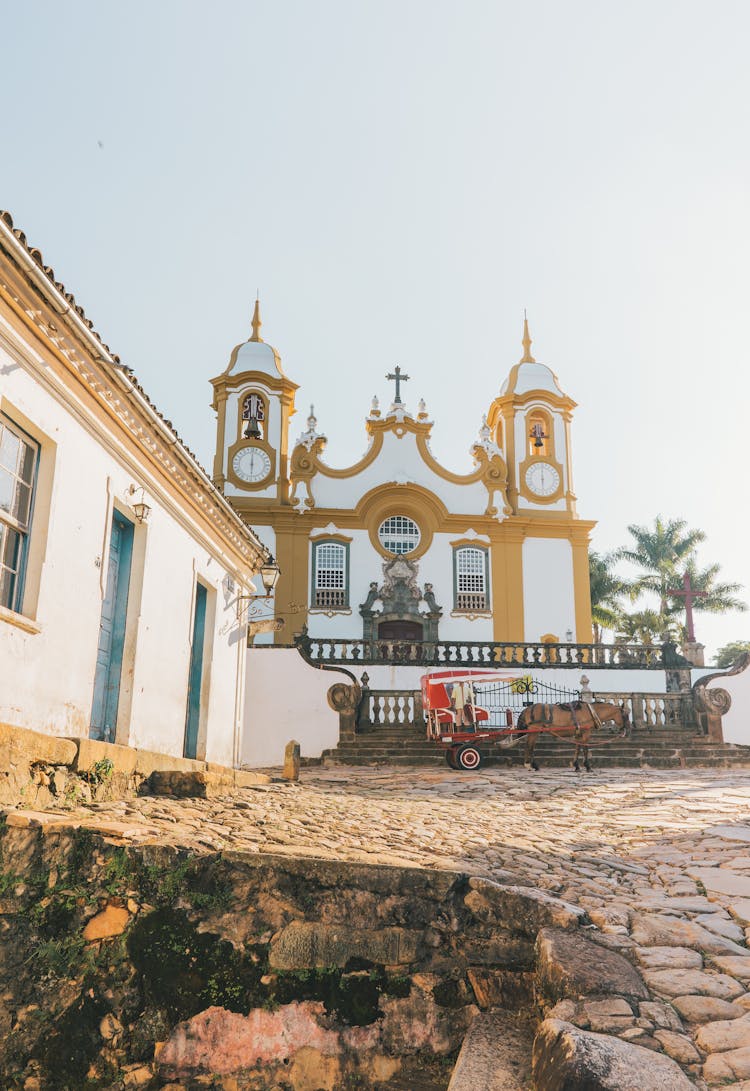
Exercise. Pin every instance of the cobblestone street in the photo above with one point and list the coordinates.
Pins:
(658, 859)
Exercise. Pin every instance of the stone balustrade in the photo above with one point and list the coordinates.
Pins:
(467, 653)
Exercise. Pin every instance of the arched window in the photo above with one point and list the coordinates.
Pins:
(399, 534)
(539, 439)
(253, 416)
(471, 579)
(330, 589)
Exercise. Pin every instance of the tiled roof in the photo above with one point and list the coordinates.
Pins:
(49, 272)
(36, 256)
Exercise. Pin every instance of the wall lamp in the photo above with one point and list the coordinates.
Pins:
(141, 509)
(269, 574)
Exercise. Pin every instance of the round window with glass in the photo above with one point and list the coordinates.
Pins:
(399, 534)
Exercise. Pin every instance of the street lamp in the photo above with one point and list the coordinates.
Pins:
(269, 574)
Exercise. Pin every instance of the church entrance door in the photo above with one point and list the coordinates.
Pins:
(400, 630)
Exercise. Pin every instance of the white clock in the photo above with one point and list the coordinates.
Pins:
(251, 464)
(542, 479)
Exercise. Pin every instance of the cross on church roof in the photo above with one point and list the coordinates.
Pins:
(396, 374)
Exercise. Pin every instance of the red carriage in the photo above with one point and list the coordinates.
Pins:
(464, 708)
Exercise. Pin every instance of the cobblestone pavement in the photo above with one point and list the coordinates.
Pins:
(660, 859)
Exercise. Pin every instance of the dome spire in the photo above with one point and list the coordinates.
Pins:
(527, 358)
(256, 322)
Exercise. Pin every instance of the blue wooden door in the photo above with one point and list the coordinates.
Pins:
(112, 631)
(195, 677)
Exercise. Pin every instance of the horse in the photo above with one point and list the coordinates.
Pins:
(577, 719)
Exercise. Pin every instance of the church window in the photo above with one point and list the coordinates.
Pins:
(471, 579)
(399, 534)
(330, 575)
(18, 458)
(253, 416)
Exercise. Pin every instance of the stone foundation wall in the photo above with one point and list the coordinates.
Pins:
(41, 771)
(126, 966)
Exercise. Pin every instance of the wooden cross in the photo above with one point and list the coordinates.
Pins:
(399, 380)
(688, 594)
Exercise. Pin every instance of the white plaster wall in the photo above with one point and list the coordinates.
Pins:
(601, 681)
(737, 720)
(549, 605)
(399, 461)
(286, 699)
(47, 677)
(265, 609)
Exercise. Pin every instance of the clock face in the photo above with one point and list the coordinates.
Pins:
(251, 464)
(542, 479)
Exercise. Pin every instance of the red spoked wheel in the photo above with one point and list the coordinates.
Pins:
(468, 757)
(450, 757)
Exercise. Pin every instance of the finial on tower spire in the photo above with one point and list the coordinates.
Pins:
(256, 322)
(527, 358)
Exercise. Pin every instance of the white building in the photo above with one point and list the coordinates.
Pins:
(121, 566)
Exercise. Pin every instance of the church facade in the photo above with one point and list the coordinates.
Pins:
(397, 546)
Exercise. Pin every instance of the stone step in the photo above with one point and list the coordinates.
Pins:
(495, 1055)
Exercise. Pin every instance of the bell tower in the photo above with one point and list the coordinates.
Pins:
(254, 402)
(530, 421)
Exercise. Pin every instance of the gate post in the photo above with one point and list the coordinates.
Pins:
(345, 699)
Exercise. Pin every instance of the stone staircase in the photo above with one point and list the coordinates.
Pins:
(662, 748)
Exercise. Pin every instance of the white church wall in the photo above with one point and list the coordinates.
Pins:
(48, 653)
(549, 604)
(436, 567)
(600, 681)
(286, 699)
(399, 461)
(366, 565)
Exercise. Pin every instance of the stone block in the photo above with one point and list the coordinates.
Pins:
(19, 746)
(111, 921)
(90, 751)
(702, 1009)
(723, 1068)
(693, 983)
(569, 965)
(568, 1059)
(501, 988)
(291, 761)
(495, 1055)
(245, 778)
(185, 785)
(304, 946)
(724, 1034)
(656, 930)
(523, 910)
(669, 958)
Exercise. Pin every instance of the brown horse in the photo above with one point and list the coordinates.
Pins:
(575, 721)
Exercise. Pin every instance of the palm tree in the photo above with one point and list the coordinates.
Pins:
(659, 552)
(607, 588)
(643, 627)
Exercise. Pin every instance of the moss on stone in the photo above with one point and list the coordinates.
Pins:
(185, 971)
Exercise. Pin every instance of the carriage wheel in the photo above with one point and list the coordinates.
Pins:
(450, 757)
(468, 757)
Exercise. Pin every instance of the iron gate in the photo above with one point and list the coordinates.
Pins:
(505, 699)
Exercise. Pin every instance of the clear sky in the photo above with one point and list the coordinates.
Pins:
(400, 179)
